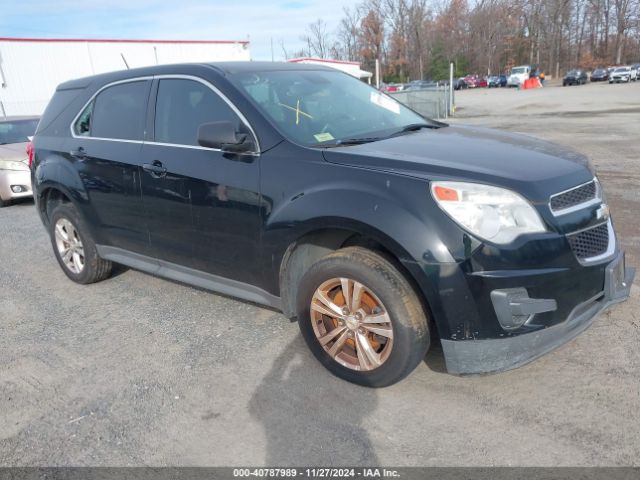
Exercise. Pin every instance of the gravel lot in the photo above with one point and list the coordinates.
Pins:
(142, 371)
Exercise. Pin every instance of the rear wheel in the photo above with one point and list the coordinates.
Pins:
(74, 248)
(361, 318)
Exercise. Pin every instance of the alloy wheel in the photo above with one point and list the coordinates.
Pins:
(69, 245)
(351, 324)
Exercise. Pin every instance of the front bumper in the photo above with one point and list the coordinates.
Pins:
(493, 355)
(9, 178)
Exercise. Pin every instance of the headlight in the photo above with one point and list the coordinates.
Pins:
(495, 214)
(12, 165)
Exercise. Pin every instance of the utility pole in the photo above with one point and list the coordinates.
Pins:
(451, 89)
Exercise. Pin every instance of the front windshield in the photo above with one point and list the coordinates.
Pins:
(17, 131)
(323, 107)
(517, 71)
(623, 69)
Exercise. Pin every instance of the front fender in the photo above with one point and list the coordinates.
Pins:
(388, 211)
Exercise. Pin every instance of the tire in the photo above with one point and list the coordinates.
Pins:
(4, 203)
(65, 219)
(387, 295)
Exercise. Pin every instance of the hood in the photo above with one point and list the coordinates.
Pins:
(14, 152)
(532, 167)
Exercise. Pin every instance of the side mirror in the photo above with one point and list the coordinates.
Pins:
(223, 135)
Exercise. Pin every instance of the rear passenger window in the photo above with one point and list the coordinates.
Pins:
(117, 112)
(182, 106)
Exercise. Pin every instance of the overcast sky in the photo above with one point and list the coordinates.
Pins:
(260, 21)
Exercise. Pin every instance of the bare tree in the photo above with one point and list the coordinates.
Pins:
(625, 11)
(418, 38)
(317, 39)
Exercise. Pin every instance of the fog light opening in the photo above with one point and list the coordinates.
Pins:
(18, 188)
(514, 307)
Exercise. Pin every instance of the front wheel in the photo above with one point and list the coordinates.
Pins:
(361, 318)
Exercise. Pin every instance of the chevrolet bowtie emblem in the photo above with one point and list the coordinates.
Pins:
(603, 212)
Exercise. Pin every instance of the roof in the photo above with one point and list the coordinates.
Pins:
(223, 68)
(111, 40)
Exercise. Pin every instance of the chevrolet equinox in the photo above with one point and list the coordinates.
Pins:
(301, 188)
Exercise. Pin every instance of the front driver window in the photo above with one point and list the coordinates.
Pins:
(182, 106)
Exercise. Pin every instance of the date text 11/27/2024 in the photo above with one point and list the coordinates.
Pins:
(316, 473)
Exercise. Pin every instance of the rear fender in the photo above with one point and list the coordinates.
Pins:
(53, 171)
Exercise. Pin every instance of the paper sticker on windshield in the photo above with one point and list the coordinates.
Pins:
(323, 137)
(384, 102)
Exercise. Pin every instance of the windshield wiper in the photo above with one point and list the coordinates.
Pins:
(413, 127)
(347, 141)
(357, 141)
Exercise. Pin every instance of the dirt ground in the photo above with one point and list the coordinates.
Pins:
(137, 370)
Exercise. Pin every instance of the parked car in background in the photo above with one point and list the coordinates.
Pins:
(503, 80)
(459, 84)
(474, 81)
(599, 75)
(392, 87)
(518, 75)
(420, 85)
(15, 175)
(493, 81)
(623, 75)
(470, 80)
(636, 67)
(576, 76)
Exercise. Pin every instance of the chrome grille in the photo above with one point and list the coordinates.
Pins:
(590, 243)
(576, 196)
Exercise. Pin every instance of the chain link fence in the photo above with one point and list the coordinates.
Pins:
(429, 102)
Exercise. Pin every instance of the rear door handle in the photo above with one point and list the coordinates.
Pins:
(80, 153)
(156, 169)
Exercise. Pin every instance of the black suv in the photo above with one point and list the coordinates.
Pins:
(301, 188)
(575, 77)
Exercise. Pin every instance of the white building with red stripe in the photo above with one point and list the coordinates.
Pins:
(31, 68)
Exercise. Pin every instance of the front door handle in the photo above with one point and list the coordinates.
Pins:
(156, 169)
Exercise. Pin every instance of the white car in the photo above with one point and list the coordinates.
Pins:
(518, 75)
(15, 174)
(623, 74)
